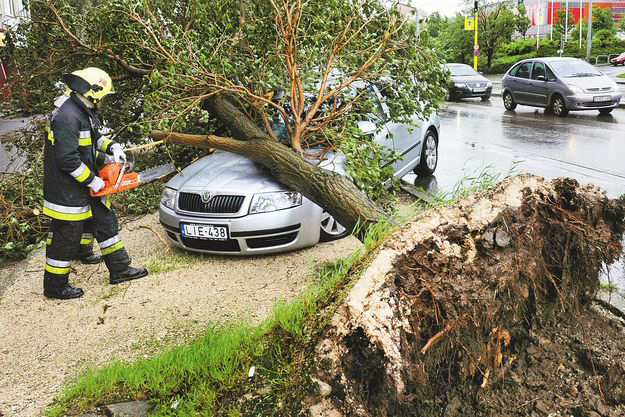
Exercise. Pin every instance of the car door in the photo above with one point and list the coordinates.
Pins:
(406, 140)
(537, 89)
(520, 83)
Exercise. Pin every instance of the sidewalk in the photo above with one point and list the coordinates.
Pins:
(496, 80)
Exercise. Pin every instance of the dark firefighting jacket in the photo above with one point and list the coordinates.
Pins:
(74, 151)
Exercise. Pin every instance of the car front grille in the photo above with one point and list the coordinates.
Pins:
(477, 85)
(269, 241)
(219, 204)
(599, 89)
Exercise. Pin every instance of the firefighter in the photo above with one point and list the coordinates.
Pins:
(74, 151)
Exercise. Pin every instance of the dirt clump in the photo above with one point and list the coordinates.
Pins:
(481, 309)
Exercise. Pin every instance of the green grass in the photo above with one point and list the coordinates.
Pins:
(621, 75)
(208, 375)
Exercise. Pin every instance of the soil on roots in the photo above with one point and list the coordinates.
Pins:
(487, 317)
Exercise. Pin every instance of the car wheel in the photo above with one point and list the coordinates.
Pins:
(508, 101)
(558, 106)
(429, 155)
(486, 98)
(330, 228)
(605, 111)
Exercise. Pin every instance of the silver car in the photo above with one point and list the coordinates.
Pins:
(227, 204)
(560, 85)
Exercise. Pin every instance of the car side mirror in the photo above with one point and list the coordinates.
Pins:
(367, 127)
(541, 78)
(481, 73)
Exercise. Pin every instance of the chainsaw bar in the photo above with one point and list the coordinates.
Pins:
(155, 173)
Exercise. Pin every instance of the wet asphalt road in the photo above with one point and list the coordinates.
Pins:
(479, 135)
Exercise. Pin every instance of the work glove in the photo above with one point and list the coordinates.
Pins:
(96, 184)
(118, 153)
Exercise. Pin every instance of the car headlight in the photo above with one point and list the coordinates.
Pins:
(460, 85)
(575, 89)
(266, 202)
(168, 198)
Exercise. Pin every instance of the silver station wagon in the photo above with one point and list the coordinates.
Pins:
(559, 85)
(226, 204)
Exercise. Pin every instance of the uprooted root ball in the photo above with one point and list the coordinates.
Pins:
(450, 304)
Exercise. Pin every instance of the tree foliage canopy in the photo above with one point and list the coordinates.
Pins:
(282, 59)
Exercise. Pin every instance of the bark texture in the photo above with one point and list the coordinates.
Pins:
(335, 193)
(451, 297)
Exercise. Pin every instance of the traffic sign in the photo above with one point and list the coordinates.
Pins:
(469, 23)
(476, 47)
(476, 53)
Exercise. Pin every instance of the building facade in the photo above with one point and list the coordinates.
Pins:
(11, 13)
(542, 12)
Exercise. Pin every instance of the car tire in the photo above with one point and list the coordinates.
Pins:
(429, 155)
(330, 229)
(450, 97)
(558, 106)
(508, 101)
(485, 98)
(605, 112)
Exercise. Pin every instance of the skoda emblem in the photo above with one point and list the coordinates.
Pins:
(477, 85)
(207, 197)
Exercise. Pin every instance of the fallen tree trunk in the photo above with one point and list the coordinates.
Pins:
(335, 193)
(448, 301)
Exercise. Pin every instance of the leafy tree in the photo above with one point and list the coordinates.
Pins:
(236, 71)
(602, 19)
(496, 26)
(521, 22)
(560, 23)
(450, 40)
(621, 24)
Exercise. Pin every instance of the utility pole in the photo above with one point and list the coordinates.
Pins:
(476, 47)
(589, 33)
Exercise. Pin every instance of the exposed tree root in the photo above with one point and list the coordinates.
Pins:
(452, 301)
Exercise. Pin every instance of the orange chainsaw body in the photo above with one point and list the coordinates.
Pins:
(110, 175)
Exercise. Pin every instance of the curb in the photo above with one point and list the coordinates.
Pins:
(498, 94)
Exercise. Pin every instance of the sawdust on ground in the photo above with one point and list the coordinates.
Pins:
(46, 343)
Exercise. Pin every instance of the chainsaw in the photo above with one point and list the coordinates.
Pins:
(120, 177)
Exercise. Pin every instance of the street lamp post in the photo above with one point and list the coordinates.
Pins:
(566, 21)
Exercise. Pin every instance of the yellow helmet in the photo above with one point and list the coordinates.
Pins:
(91, 82)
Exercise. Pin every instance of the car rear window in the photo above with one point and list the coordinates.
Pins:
(524, 70)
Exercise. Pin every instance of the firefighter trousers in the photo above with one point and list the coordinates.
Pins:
(67, 240)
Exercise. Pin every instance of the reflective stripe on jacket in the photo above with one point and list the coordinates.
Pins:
(71, 160)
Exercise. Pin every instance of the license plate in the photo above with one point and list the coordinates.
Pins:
(204, 231)
(479, 90)
(602, 98)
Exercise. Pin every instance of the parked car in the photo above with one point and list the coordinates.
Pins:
(560, 85)
(466, 82)
(619, 60)
(226, 204)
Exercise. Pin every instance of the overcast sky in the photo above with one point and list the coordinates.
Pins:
(445, 7)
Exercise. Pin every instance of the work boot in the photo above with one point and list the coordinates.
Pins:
(64, 293)
(90, 258)
(127, 274)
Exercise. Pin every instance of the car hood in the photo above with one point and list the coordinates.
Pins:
(225, 171)
(589, 82)
(468, 79)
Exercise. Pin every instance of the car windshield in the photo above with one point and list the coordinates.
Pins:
(622, 55)
(461, 70)
(571, 68)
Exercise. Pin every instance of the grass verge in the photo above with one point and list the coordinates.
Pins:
(621, 75)
(210, 375)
